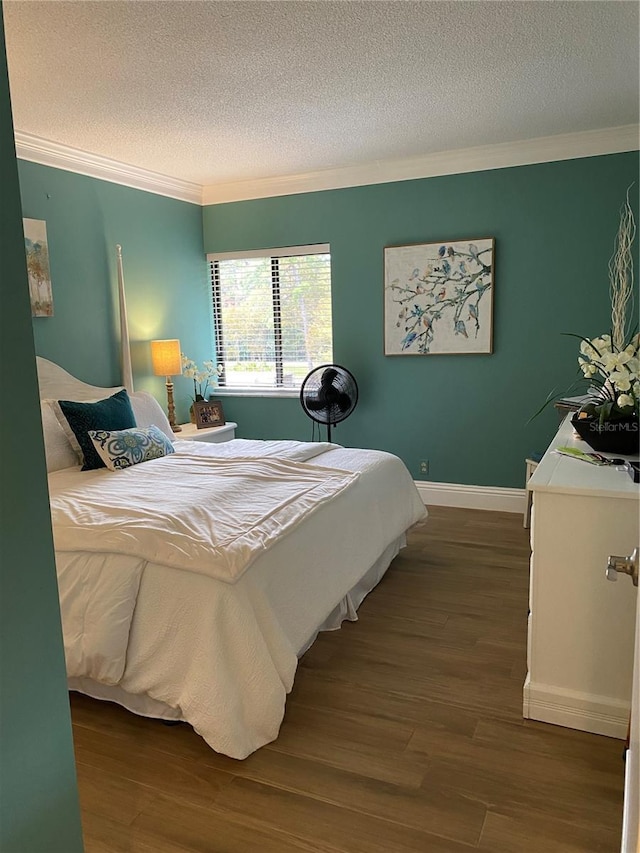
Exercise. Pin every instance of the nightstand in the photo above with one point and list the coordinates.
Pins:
(215, 435)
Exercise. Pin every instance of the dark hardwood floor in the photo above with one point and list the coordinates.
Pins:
(403, 733)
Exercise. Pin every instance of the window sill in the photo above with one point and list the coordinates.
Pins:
(293, 393)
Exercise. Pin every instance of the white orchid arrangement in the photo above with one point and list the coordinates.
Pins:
(202, 378)
(614, 374)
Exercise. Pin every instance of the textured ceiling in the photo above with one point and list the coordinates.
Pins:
(213, 92)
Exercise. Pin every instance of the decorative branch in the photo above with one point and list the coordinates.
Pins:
(621, 276)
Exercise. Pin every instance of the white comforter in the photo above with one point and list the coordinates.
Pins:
(194, 512)
(216, 640)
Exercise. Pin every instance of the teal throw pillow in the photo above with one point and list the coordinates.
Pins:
(123, 448)
(113, 413)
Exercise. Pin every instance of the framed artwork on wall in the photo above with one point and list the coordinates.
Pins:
(37, 249)
(208, 413)
(438, 297)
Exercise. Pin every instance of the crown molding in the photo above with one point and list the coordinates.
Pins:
(567, 146)
(48, 153)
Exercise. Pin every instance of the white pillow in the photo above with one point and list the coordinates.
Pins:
(148, 412)
(58, 450)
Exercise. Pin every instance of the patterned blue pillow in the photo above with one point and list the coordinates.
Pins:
(113, 413)
(126, 447)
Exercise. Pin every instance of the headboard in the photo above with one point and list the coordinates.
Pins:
(56, 384)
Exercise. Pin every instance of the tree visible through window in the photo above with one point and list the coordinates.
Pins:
(272, 315)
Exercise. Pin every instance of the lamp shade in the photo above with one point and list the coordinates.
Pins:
(165, 356)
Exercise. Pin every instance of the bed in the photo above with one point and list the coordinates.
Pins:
(190, 585)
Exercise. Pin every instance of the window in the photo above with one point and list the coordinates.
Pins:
(272, 316)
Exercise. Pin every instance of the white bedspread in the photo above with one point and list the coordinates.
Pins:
(219, 654)
(190, 511)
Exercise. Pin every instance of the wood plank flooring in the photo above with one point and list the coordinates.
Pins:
(403, 734)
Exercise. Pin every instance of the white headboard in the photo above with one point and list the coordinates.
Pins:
(56, 384)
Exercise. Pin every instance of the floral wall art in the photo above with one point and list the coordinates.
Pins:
(35, 240)
(439, 297)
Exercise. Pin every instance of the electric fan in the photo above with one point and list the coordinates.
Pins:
(329, 394)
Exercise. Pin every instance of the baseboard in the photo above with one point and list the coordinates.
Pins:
(493, 498)
(584, 711)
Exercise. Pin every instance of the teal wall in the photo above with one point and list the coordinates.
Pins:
(554, 226)
(38, 795)
(164, 269)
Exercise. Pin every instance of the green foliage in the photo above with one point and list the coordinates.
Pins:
(247, 312)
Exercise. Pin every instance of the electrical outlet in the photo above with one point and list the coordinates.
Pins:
(424, 466)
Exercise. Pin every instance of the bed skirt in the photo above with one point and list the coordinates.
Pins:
(346, 610)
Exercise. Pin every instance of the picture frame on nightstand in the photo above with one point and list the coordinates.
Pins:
(208, 413)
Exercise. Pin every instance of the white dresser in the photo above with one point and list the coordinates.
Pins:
(581, 626)
(214, 435)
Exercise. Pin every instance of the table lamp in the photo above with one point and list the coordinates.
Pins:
(165, 356)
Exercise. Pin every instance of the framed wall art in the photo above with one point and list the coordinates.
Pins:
(438, 297)
(37, 249)
(208, 413)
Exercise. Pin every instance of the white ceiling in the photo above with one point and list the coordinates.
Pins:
(218, 92)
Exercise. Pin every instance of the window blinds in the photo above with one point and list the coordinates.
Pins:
(272, 315)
